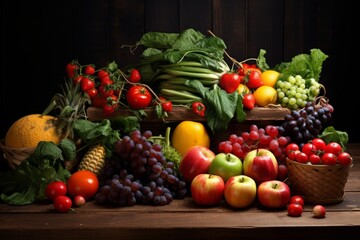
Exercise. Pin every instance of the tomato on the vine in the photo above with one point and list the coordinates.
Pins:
(71, 69)
(87, 84)
(102, 73)
(105, 90)
(93, 92)
(166, 104)
(77, 79)
(84, 183)
(62, 204)
(134, 76)
(54, 189)
(110, 105)
(89, 70)
(138, 97)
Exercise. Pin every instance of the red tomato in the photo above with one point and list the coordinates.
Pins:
(77, 79)
(105, 90)
(138, 97)
(62, 204)
(334, 148)
(89, 70)
(308, 149)
(297, 199)
(301, 157)
(254, 79)
(294, 210)
(319, 144)
(198, 108)
(87, 84)
(291, 147)
(71, 69)
(248, 101)
(102, 73)
(166, 106)
(315, 159)
(84, 183)
(229, 82)
(329, 158)
(54, 189)
(134, 76)
(92, 92)
(344, 158)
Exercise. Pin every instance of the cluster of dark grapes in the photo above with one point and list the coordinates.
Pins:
(306, 124)
(267, 137)
(140, 174)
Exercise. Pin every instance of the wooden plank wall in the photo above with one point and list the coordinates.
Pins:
(40, 37)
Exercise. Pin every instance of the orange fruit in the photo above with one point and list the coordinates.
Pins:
(265, 95)
(29, 130)
(270, 77)
(188, 134)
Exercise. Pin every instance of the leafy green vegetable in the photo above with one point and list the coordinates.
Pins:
(68, 148)
(330, 134)
(221, 106)
(27, 182)
(306, 65)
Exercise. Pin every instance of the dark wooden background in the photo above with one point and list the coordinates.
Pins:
(39, 37)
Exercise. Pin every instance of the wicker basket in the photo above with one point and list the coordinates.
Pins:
(14, 156)
(318, 184)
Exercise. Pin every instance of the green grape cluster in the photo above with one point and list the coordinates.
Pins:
(295, 91)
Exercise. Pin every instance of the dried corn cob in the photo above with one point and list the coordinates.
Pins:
(94, 159)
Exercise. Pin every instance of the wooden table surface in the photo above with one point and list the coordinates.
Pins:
(181, 219)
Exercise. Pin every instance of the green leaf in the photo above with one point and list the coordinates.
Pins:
(330, 134)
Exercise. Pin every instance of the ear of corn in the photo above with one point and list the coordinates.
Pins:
(94, 159)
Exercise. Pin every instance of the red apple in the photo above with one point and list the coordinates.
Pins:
(207, 189)
(196, 160)
(240, 191)
(273, 194)
(261, 165)
(226, 165)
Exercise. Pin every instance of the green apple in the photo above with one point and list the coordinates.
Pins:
(240, 191)
(226, 165)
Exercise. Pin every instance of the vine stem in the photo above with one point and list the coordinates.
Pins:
(236, 62)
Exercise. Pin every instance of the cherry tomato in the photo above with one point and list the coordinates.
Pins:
(105, 90)
(87, 84)
(93, 92)
(134, 76)
(84, 183)
(344, 158)
(138, 97)
(102, 73)
(297, 199)
(254, 79)
(248, 101)
(229, 82)
(319, 144)
(166, 104)
(89, 70)
(329, 158)
(71, 69)
(77, 79)
(79, 200)
(62, 204)
(301, 157)
(98, 101)
(291, 147)
(54, 189)
(333, 147)
(294, 210)
(315, 159)
(308, 149)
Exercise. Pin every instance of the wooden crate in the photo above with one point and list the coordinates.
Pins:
(259, 116)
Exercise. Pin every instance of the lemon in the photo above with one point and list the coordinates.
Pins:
(270, 77)
(188, 134)
(265, 95)
(29, 130)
